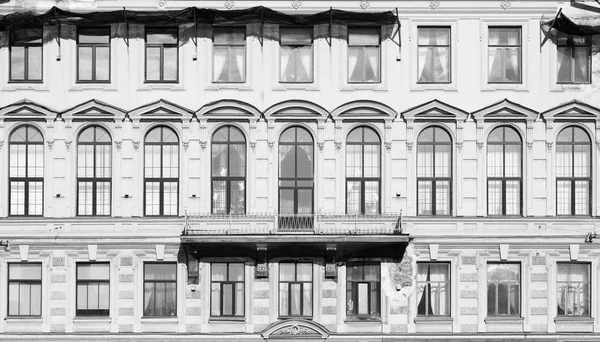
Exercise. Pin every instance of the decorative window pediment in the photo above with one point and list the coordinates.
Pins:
(296, 109)
(228, 109)
(505, 110)
(26, 109)
(295, 329)
(94, 109)
(435, 110)
(161, 109)
(573, 110)
(364, 109)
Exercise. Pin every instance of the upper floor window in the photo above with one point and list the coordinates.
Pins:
(573, 288)
(364, 49)
(504, 55)
(363, 171)
(504, 289)
(434, 55)
(296, 177)
(160, 289)
(26, 171)
(574, 59)
(229, 59)
(161, 172)
(93, 54)
(295, 289)
(93, 290)
(504, 175)
(94, 165)
(363, 289)
(434, 172)
(24, 289)
(228, 171)
(573, 172)
(433, 284)
(26, 55)
(227, 289)
(296, 64)
(162, 54)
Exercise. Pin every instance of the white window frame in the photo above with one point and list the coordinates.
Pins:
(49, 55)
(252, 46)
(342, 67)
(275, 57)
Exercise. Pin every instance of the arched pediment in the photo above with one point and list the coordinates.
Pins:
(505, 110)
(228, 109)
(94, 109)
(364, 109)
(295, 329)
(435, 110)
(26, 109)
(296, 109)
(572, 110)
(161, 109)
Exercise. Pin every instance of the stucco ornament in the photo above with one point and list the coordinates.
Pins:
(505, 4)
(68, 144)
(229, 4)
(295, 330)
(50, 144)
(136, 145)
(118, 145)
(434, 4)
(364, 4)
(1, 144)
(161, 4)
(296, 4)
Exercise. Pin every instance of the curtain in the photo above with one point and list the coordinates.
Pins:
(219, 61)
(564, 65)
(573, 290)
(581, 65)
(433, 296)
(433, 59)
(353, 64)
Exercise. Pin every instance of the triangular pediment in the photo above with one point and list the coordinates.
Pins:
(435, 110)
(296, 329)
(162, 109)
(573, 110)
(364, 109)
(229, 109)
(26, 109)
(296, 109)
(94, 109)
(505, 110)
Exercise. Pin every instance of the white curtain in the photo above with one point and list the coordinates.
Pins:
(573, 289)
(352, 63)
(218, 64)
(433, 291)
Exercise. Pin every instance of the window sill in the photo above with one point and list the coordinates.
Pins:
(161, 86)
(160, 320)
(24, 318)
(83, 86)
(504, 86)
(15, 86)
(228, 86)
(227, 320)
(296, 86)
(372, 320)
(363, 86)
(568, 87)
(434, 320)
(573, 319)
(504, 320)
(92, 319)
(434, 86)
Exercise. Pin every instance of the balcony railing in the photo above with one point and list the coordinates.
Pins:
(305, 223)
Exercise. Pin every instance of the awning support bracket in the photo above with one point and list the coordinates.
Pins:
(547, 36)
(195, 38)
(261, 38)
(126, 38)
(329, 33)
(397, 33)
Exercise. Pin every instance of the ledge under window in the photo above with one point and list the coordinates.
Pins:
(434, 319)
(92, 319)
(504, 319)
(356, 319)
(573, 319)
(23, 318)
(160, 320)
(227, 320)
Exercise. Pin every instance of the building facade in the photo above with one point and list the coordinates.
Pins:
(306, 170)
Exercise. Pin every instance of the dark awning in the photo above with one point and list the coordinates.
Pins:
(585, 26)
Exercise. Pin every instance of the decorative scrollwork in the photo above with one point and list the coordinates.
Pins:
(480, 145)
(186, 145)
(136, 145)
(338, 145)
(161, 4)
(364, 4)
(409, 146)
(271, 144)
(505, 4)
(459, 145)
(388, 145)
(296, 4)
(434, 4)
(229, 4)
(253, 145)
(50, 144)
(68, 144)
(321, 146)
(118, 145)
(203, 145)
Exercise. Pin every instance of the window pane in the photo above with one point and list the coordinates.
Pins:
(505, 36)
(363, 299)
(296, 64)
(219, 189)
(307, 299)
(238, 198)
(424, 189)
(494, 197)
(17, 63)
(165, 36)
(495, 60)
(94, 35)
(283, 299)
(565, 61)
(34, 63)
(93, 271)
(353, 197)
(442, 198)
(434, 64)
(236, 272)
(215, 299)
(13, 299)
(239, 299)
(228, 299)
(170, 64)
(160, 272)
(153, 63)
(304, 271)
(295, 299)
(513, 64)
(229, 35)
(363, 36)
(287, 272)
(85, 63)
(102, 63)
(434, 36)
(82, 297)
(25, 272)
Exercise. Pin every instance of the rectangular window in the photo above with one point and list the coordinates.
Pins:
(93, 54)
(229, 62)
(93, 291)
(433, 286)
(162, 54)
(574, 59)
(25, 289)
(433, 55)
(227, 290)
(504, 289)
(573, 289)
(296, 59)
(504, 55)
(295, 289)
(363, 289)
(26, 55)
(364, 59)
(160, 289)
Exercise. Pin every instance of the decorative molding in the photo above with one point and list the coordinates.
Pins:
(321, 145)
(409, 145)
(433, 251)
(1, 144)
(549, 145)
(253, 145)
(186, 145)
(388, 146)
(574, 251)
(203, 145)
(24, 252)
(136, 145)
(480, 145)
(92, 252)
(271, 145)
(160, 251)
(530, 145)
(118, 145)
(50, 144)
(434, 4)
(229, 4)
(68, 144)
(598, 145)
(505, 4)
(459, 146)
(161, 4)
(504, 251)
(364, 4)
(69, 124)
(296, 4)
(295, 330)
(338, 145)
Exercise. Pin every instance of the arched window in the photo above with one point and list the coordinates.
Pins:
(363, 171)
(504, 172)
(26, 175)
(94, 165)
(295, 177)
(434, 172)
(573, 172)
(161, 172)
(228, 171)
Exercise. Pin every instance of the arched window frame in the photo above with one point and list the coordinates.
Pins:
(503, 179)
(27, 179)
(434, 178)
(161, 180)
(362, 179)
(228, 179)
(95, 179)
(573, 179)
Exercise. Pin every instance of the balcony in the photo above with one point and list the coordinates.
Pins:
(305, 223)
